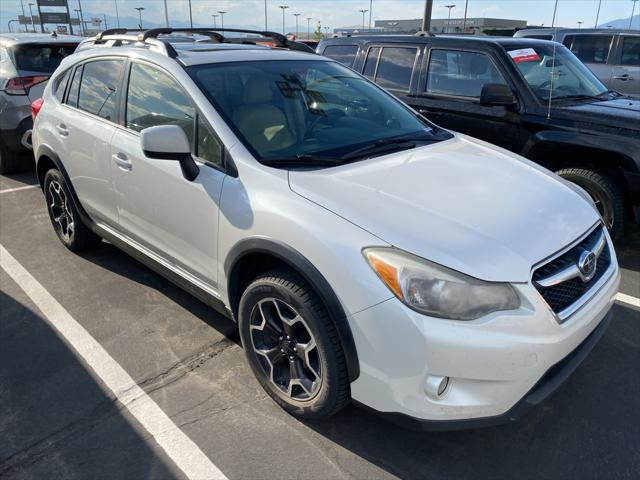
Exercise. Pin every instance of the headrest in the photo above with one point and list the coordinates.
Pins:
(258, 90)
(479, 64)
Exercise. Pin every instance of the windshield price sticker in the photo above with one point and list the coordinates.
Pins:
(524, 55)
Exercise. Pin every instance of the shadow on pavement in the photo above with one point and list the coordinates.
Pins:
(628, 248)
(56, 421)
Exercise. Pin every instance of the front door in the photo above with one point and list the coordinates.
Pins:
(625, 77)
(158, 208)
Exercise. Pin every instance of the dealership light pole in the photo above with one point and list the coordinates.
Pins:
(363, 11)
(598, 14)
(265, 15)
(426, 18)
(309, 27)
(115, 2)
(283, 7)
(222, 12)
(215, 24)
(190, 15)
(140, 9)
(464, 22)
(370, 12)
(449, 17)
(84, 29)
(297, 15)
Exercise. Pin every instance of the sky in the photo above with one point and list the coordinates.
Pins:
(342, 13)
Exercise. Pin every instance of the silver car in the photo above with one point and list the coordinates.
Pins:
(27, 60)
(613, 55)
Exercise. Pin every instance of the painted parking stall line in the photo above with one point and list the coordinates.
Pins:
(17, 189)
(628, 299)
(177, 445)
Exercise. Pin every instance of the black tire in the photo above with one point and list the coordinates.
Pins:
(8, 159)
(287, 289)
(73, 234)
(605, 192)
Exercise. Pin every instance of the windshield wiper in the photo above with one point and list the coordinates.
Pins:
(303, 160)
(580, 96)
(387, 145)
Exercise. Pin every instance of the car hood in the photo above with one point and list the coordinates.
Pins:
(461, 203)
(623, 112)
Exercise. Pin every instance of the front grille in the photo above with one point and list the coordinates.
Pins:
(566, 293)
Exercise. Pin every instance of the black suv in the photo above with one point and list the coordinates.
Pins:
(533, 97)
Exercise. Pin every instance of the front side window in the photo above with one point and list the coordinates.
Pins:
(589, 48)
(345, 54)
(309, 111)
(630, 51)
(99, 88)
(555, 73)
(154, 98)
(460, 74)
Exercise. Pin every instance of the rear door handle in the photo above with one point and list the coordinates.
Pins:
(122, 161)
(624, 77)
(63, 131)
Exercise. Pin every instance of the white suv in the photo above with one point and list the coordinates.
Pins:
(365, 253)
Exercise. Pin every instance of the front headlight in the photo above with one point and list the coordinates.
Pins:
(436, 290)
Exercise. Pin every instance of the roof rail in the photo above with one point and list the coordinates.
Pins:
(164, 47)
(115, 31)
(279, 39)
(423, 33)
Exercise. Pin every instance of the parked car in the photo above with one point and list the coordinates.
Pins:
(613, 55)
(365, 252)
(501, 90)
(27, 60)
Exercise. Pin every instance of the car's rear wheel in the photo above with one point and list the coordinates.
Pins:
(74, 234)
(606, 194)
(292, 345)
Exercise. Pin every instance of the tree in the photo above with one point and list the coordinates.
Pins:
(317, 35)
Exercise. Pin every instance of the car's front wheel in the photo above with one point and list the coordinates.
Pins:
(74, 234)
(292, 345)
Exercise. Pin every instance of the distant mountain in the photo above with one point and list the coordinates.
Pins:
(623, 23)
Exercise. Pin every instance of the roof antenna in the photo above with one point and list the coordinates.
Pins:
(553, 58)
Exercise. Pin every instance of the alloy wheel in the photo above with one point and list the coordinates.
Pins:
(286, 349)
(60, 211)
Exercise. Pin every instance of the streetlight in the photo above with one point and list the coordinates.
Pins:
(33, 25)
(309, 27)
(370, 12)
(579, 25)
(190, 15)
(140, 9)
(265, 15)
(221, 12)
(362, 11)
(464, 22)
(449, 17)
(283, 7)
(633, 9)
(598, 14)
(215, 25)
(297, 15)
(115, 2)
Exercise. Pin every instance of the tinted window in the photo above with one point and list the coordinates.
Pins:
(344, 54)
(460, 73)
(154, 98)
(395, 67)
(72, 98)
(371, 62)
(631, 51)
(589, 48)
(99, 88)
(60, 84)
(41, 57)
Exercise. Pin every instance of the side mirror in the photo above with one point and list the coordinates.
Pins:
(169, 142)
(497, 94)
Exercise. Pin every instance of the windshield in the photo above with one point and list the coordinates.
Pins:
(309, 110)
(39, 57)
(571, 79)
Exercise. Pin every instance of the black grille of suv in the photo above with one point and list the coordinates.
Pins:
(564, 294)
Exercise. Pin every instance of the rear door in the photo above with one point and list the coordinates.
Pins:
(85, 125)
(625, 76)
(594, 50)
(393, 67)
(158, 208)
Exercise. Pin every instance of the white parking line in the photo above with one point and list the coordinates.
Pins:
(624, 298)
(17, 189)
(178, 446)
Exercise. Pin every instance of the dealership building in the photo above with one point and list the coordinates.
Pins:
(485, 26)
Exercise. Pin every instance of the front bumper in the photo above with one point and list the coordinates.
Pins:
(498, 366)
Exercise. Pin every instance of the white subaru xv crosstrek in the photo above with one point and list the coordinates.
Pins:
(365, 253)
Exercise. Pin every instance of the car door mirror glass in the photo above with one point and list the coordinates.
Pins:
(497, 95)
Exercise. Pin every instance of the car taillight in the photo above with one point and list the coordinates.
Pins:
(22, 85)
(36, 105)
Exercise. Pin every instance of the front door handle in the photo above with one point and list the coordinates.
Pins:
(63, 131)
(624, 77)
(122, 161)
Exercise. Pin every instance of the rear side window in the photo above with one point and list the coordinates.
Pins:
(630, 51)
(72, 98)
(345, 54)
(371, 63)
(99, 88)
(60, 85)
(589, 48)
(461, 74)
(41, 58)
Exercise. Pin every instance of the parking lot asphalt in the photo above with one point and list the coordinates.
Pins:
(59, 420)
